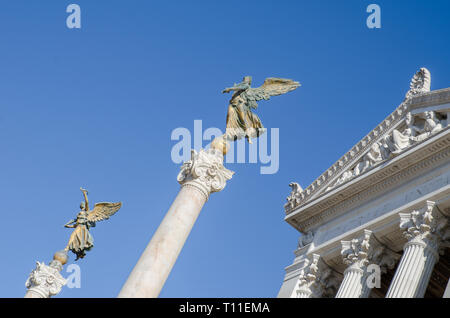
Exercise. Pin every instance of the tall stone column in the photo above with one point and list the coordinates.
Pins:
(317, 279)
(46, 281)
(423, 229)
(199, 177)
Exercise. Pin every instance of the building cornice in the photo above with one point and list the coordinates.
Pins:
(422, 156)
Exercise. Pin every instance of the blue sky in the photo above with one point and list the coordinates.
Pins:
(96, 107)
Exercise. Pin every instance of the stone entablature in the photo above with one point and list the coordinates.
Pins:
(339, 173)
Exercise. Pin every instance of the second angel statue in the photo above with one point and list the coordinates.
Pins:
(81, 239)
(241, 121)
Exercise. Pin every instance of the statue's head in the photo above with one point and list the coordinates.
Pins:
(82, 206)
(375, 149)
(429, 115)
(247, 79)
(408, 117)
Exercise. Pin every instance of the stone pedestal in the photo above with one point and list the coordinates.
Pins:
(423, 230)
(199, 177)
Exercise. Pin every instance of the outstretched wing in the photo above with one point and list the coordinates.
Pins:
(272, 87)
(103, 210)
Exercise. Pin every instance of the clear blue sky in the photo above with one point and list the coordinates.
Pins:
(95, 108)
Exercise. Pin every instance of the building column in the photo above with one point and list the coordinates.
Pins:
(199, 177)
(355, 254)
(423, 228)
(317, 279)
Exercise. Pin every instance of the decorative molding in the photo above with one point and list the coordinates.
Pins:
(361, 188)
(355, 253)
(205, 172)
(436, 97)
(45, 280)
(394, 144)
(417, 94)
(385, 258)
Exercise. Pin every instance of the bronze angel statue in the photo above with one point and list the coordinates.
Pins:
(241, 121)
(81, 239)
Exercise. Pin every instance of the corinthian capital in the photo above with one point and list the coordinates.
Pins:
(205, 171)
(317, 278)
(356, 253)
(45, 280)
(385, 258)
(426, 224)
(359, 252)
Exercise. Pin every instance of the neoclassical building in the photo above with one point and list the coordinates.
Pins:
(375, 224)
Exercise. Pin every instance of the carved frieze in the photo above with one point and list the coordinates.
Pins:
(395, 134)
(45, 280)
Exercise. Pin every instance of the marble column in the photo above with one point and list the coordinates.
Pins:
(199, 177)
(423, 228)
(317, 279)
(353, 285)
(46, 281)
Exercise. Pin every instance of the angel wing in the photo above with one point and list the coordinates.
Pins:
(272, 87)
(103, 210)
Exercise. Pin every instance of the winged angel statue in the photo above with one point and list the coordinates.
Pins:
(241, 121)
(81, 239)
